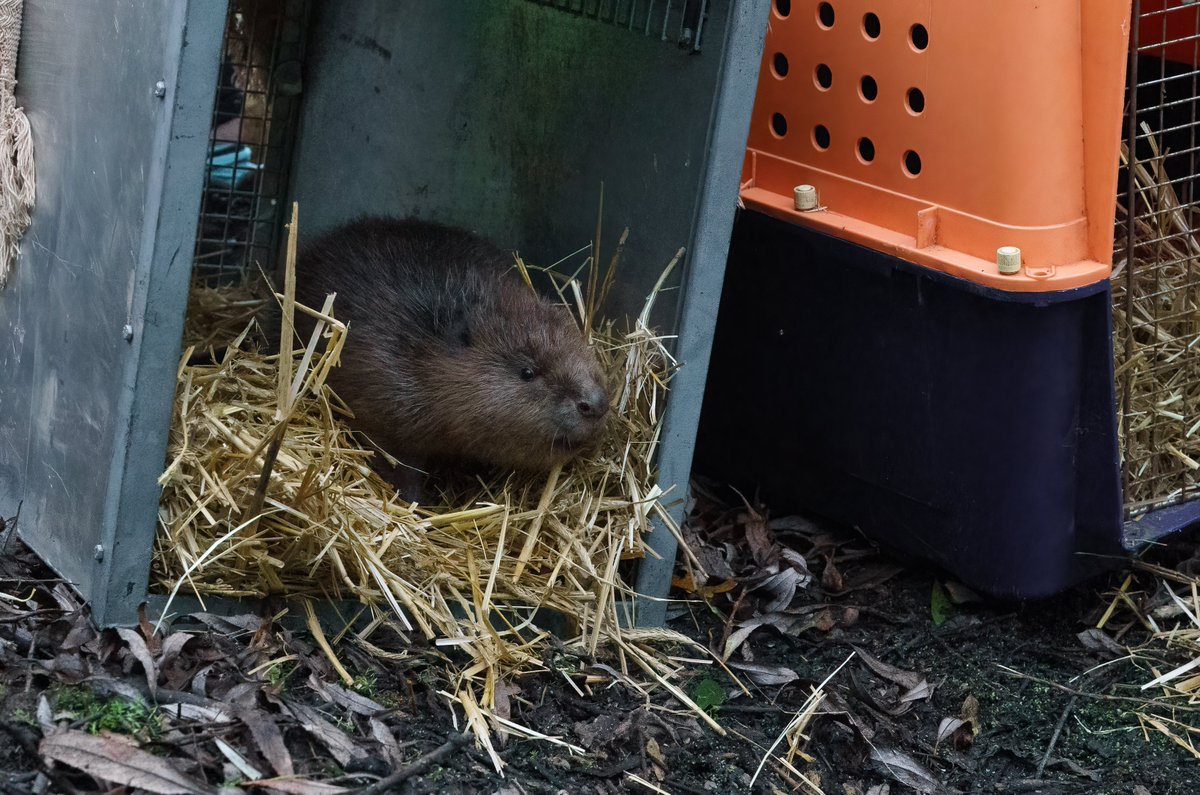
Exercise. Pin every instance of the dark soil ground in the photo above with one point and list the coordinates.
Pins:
(1027, 704)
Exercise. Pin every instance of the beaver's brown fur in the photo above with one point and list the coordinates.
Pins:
(450, 356)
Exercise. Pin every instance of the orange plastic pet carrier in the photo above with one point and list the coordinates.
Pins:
(941, 131)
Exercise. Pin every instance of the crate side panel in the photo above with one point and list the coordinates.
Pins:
(87, 80)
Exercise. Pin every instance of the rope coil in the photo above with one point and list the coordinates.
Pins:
(16, 144)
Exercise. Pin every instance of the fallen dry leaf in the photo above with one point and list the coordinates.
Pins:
(81, 632)
(141, 652)
(503, 692)
(824, 621)
(797, 562)
(1098, 640)
(921, 691)
(961, 730)
(45, 715)
(970, 712)
(686, 583)
(906, 770)
(782, 587)
(269, 739)
(957, 730)
(341, 746)
(831, 578)
(760, 540)
(68, 600)
(387, 741)
(781, 621)
(766, 675)
(117, 760)
(355, 702)
(906, 679)
(152, 638)
(654, 751)
(171, 647)
(715, 561)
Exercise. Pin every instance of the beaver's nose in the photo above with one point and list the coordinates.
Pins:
(593, 404)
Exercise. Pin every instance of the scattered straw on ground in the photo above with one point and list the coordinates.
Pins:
(1171, 692)
(1156, 327)
(323, 524)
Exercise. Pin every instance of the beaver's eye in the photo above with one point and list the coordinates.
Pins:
(527, 374)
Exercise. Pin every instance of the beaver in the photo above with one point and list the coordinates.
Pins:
(451, 358)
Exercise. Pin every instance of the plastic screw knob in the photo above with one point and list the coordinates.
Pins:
(1008, 260)
(806, 197)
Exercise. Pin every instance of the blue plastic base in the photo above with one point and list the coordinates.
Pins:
(1162, 522)
(969, 427)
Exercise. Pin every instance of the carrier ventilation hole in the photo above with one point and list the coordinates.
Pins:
(871, 26)
(919, 36)
(825, 15)
(780, 64)
(915, 99)
(821, 137)
(824, 76)
(783, 7)
(778, 124)
(912, 163)
(866, 150)
(868, 88)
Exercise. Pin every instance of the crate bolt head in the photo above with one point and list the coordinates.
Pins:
(160, 89)
(1008, 260)
(806, 197)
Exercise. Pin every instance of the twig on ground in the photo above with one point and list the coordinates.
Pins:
(1062, 719)
(418, 767)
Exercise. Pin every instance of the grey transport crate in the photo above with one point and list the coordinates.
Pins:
(500, 115)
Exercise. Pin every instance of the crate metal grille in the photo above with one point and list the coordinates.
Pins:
(678, 20)
(1156, 274)
(254, 120)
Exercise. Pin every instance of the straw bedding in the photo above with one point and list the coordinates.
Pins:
(321, 523)
(1156, 324)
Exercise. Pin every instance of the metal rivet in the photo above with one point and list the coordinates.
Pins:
(160, 89)
(127, 332)
(98, 551)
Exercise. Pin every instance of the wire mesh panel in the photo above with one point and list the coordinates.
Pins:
(681, 20)
(254, 121)
(1156, 275)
